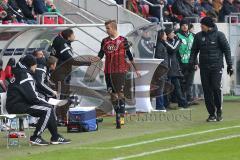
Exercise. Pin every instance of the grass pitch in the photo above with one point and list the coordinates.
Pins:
(175, 135)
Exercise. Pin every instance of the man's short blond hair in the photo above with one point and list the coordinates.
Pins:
(112, 22)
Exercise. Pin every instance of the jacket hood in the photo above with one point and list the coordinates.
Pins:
(20, 68)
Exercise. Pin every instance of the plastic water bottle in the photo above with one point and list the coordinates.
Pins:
(14, 124)
(13, 142)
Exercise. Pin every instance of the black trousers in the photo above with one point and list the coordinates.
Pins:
(187, 82)
(182, 102)
(47, 119)
(212, 87)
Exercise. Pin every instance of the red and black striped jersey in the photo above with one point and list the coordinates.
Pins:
(115, 51)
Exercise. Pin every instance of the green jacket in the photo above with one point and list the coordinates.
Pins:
(185, 47)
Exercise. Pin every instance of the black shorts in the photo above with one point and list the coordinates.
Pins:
(115, 82)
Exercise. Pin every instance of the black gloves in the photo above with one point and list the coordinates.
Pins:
(229, 70)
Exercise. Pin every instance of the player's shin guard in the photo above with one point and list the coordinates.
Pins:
(122, 110)
(118, 114)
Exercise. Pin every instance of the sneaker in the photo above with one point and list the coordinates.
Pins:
(219, 117)
(118, 126)
(211, 119)
(160, 110)
(60, 140)
(38, 141)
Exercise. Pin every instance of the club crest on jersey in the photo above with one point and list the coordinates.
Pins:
(111, 47)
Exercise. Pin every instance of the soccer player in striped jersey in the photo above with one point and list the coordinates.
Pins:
(116, 48)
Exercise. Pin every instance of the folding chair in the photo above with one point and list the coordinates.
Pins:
(11, 117)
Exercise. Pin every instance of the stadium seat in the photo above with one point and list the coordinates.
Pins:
(4, 116)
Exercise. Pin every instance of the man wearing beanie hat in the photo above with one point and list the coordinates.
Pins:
(212, 46)
(208, 21)
(22, 98)
(183, 56)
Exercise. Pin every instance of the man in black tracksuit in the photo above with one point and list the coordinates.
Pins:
(62, 50)
(175, 73)
(62, 45)
(213, 46)
(41, 75)
(22, 98)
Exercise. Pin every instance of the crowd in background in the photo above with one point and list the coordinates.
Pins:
(24, 11)
(176, 10)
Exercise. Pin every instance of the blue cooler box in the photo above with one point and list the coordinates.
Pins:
(82, 119)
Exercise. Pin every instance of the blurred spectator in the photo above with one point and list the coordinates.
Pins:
(146, 45)
(3, 86)
(14, 14)
(50, 6)
(184, 8)
(207, 5)
(170, 2)
(167, 12)
(8, 70)
(217, 5)
(236, 3)
(3, 13)
(227, 9)
(213, 15)
(134, 6)
(27, 8)
(198, 8)
(39, 6)
(155, 11)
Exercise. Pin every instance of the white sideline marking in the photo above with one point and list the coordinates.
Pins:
(95, 148)
(160, 139)
(177, 147)
(174, 137)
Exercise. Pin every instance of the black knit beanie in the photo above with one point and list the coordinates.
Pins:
(208, 21)
(184, 21)
(29, 60)
(168, 30)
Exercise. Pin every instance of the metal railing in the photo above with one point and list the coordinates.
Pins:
(232, 18)
(152, 5)
(86, 18)
(85, 8)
